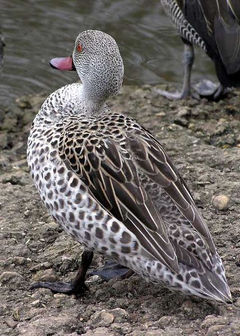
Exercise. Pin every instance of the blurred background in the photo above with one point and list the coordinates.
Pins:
(36, 31)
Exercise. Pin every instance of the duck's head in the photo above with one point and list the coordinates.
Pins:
(98, 62)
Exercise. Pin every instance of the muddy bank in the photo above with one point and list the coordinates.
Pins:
(203, 140)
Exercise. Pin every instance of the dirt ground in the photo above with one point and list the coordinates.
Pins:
(203, 140)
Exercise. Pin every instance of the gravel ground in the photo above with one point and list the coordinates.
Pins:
(203, 140)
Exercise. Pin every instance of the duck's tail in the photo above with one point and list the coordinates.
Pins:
(216, 285)
(211, 284)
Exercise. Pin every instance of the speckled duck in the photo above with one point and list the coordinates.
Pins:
(109, 183)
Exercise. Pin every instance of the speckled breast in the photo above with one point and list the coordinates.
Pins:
(68, 201)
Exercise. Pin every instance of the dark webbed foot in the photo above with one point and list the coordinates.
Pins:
(112, 270)
(211, 91)
(61, 287)
(77, 286)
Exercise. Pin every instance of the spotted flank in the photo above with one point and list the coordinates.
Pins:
(109, 183)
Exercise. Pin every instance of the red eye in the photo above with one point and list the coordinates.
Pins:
(79, 48)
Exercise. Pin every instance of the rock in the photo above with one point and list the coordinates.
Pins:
(99, 332)
(120, 315)
(19, 261)
(212, 320)
(10, 277)
(220, 202)
(187, 307)
(161, 114)
(45, 275)
(181, 121)
(148, 333)
(183, 112)
(36, 303)
(10, 322)
(41, 266)
(30, 331)
(165, 321)
(101, 319)
(61, 324)
(121, 328)
(27, 213)
(42, 293)
(100, 294)
(215, 330)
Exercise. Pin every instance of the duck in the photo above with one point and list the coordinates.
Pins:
(109, 183)
(214, 26)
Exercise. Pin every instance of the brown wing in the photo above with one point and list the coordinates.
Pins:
(111, 169)
(151, 157)
(112, 178)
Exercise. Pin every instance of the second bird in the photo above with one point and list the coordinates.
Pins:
(214, 25)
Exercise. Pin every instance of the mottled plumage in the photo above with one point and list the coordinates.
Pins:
(215, 27)
(109, 183)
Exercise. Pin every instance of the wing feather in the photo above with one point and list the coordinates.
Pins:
(165, 174)
(110, 169)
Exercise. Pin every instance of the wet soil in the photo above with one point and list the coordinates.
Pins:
(203, 139)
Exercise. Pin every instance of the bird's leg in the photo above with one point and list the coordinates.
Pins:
(77, 286)
(127, 275)
(188, 59)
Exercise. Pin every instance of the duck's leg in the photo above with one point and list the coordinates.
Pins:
(188, 59)
(128, 274)
(111, 270)
(77, 286)
(203, 89)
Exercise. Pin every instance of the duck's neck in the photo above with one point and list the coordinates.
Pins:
(92, 100)
(73, 99)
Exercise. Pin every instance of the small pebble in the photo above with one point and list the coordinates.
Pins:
(98, 332)
(119, 314)
(36, 303)
(11, 323)
(102, 319)
(45, 275)
(183, 112)
(220, 202)
(7, 277)
(215, 330)
(27, 213)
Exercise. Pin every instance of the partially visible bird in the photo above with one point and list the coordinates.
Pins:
(214, 25)
(109, 183)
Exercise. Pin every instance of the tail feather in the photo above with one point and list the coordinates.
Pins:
(213, 283)
(217, 286)
(204, 279)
